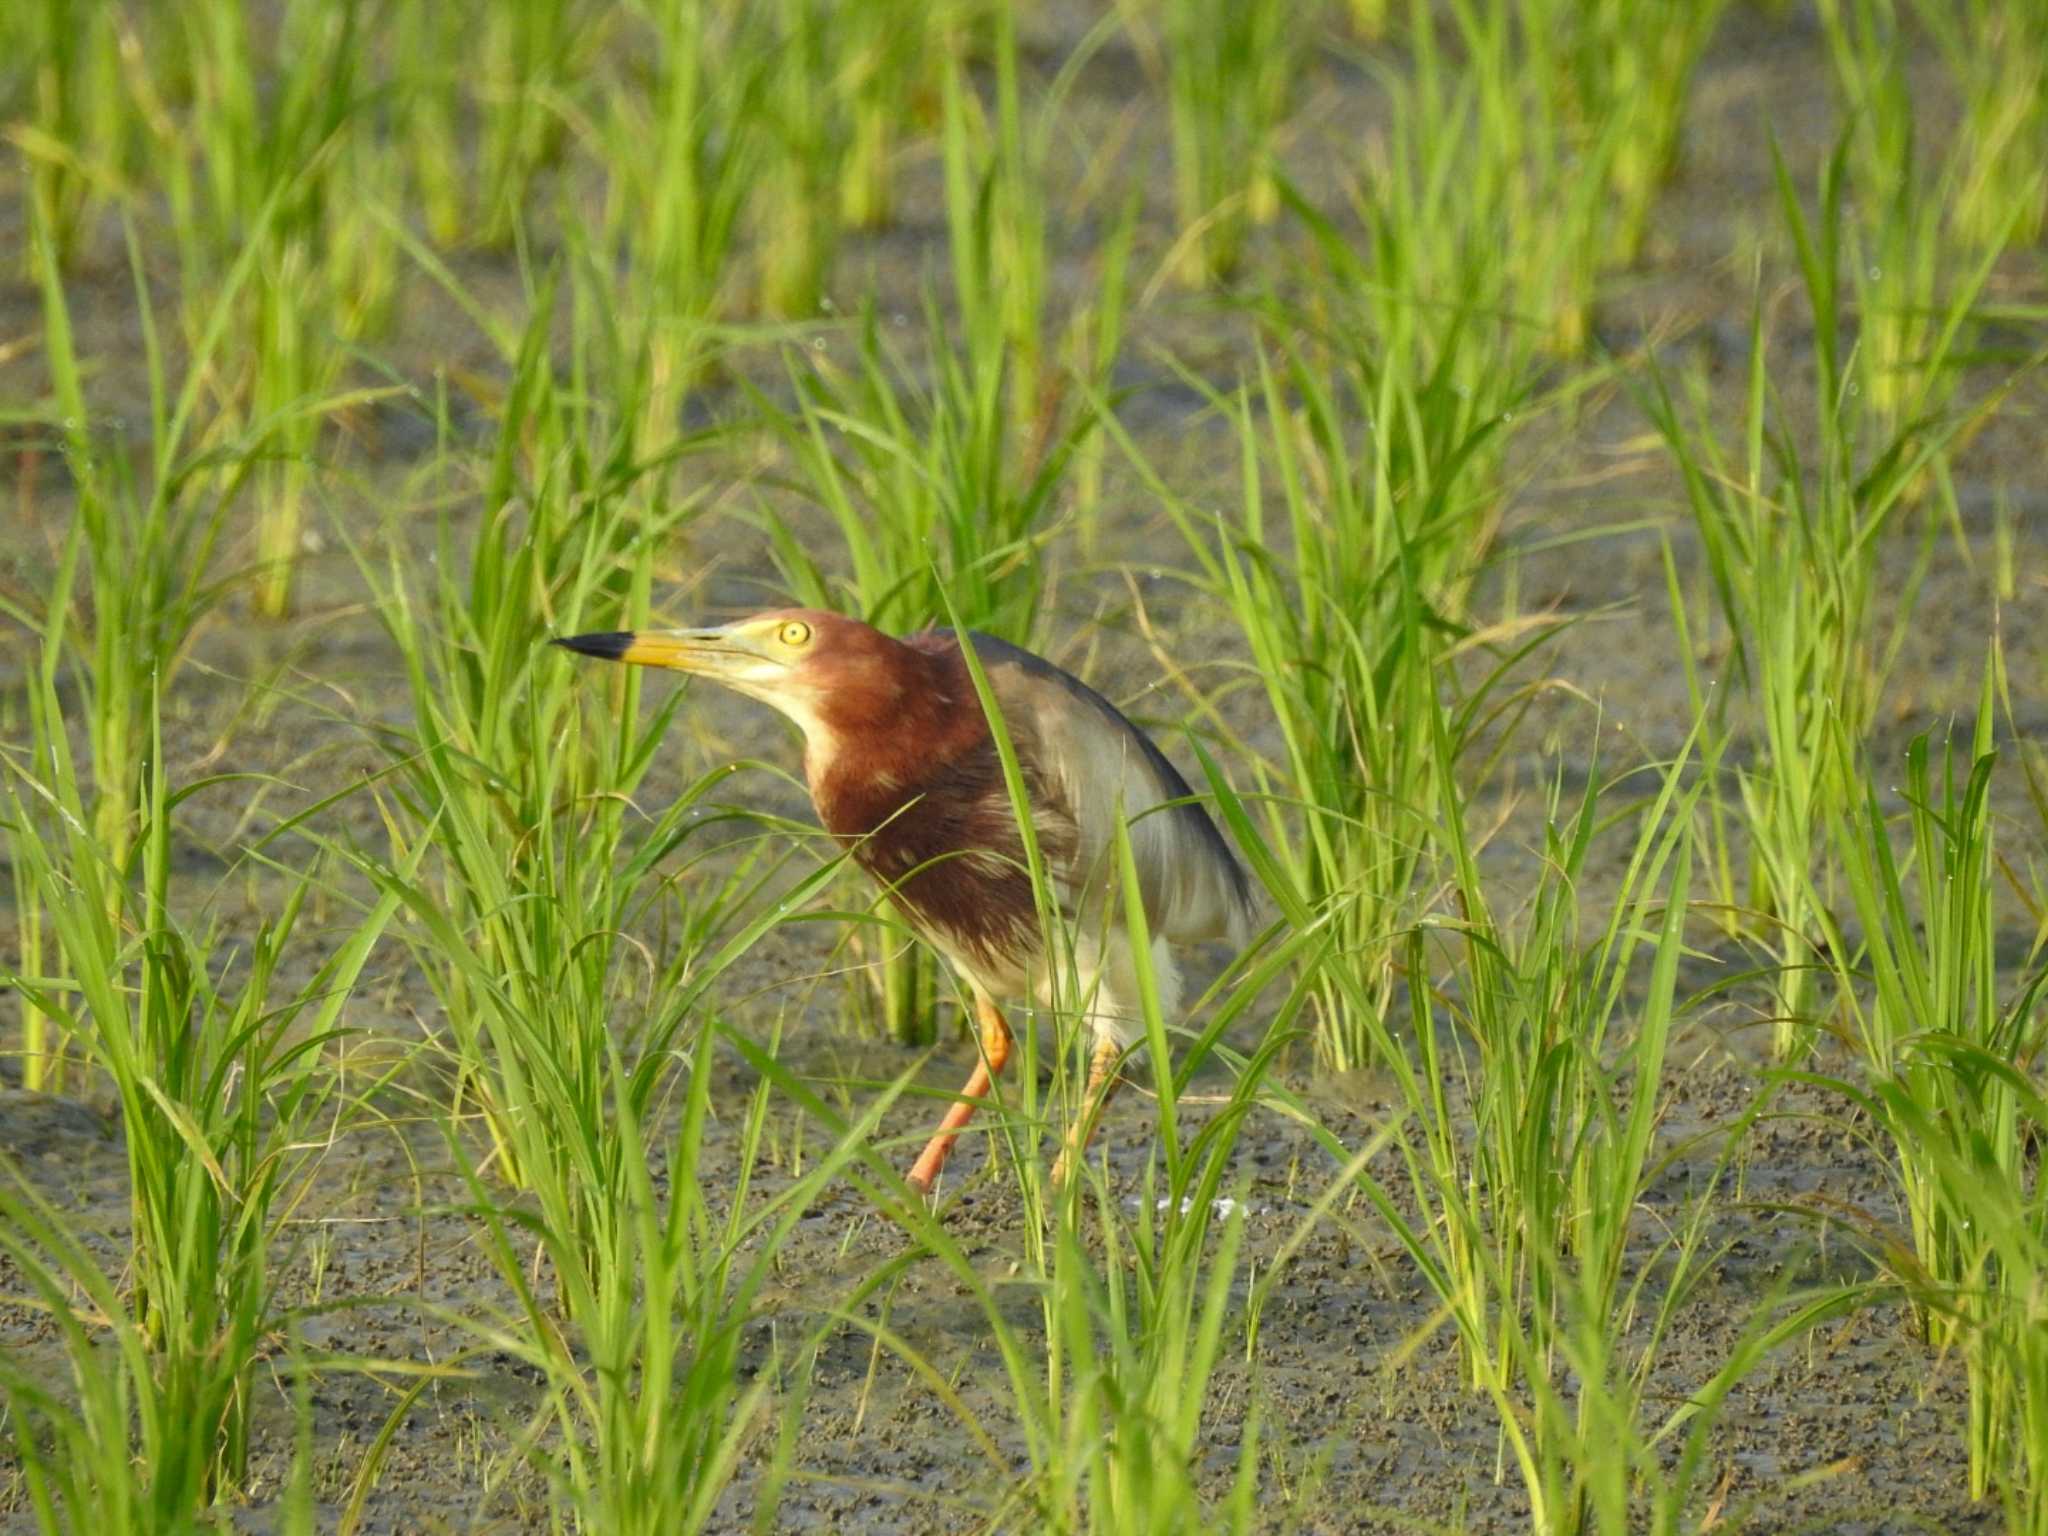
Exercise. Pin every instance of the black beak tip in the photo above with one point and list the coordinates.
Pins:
(610, 644)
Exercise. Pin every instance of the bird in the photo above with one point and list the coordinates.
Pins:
(904, 771)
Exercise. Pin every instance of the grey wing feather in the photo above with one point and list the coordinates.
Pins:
(1193, 886)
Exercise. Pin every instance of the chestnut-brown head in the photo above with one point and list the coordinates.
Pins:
(834, 676)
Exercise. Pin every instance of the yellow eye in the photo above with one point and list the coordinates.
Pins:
(796, 632)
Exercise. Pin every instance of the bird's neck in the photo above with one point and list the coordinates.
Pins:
(869, 757)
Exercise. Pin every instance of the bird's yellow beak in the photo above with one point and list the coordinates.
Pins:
(719, 653)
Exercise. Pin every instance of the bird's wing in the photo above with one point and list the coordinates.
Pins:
(1094, 764)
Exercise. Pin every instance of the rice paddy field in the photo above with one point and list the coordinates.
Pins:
(1561, 478)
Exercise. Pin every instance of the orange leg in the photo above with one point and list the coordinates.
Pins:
(1103, 1082)
(995, 1054)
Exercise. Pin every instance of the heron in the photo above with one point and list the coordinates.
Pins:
(904, 771)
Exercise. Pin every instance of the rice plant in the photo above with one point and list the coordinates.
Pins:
(1946, 1049)
(527, 59)
(1556, 1158)
(1525, 1115)
(1989, 48)
(135, 577)
(1387, 530)
(884, 75)
(1230, 79)
(220, 1076)
(1976, 1182)
(1110, 1393)
(61, 93)
(1351, 649)
(1370, 20)
(520, 947)
(998, 163)
(1916, 284)
(679, 153)
(136, 571)
(803, 164)
(997, 169)
(922, 485)
(1935, 1030)
(264, 191)
(424, 115)
(126, 1441)
(1094, 343)
(1775, 576)
(294, 372)
(1792, 537)
(1626, 67)
(1486, 198)
(656, 1415)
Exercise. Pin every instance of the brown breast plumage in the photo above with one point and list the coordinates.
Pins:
(930, 818)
